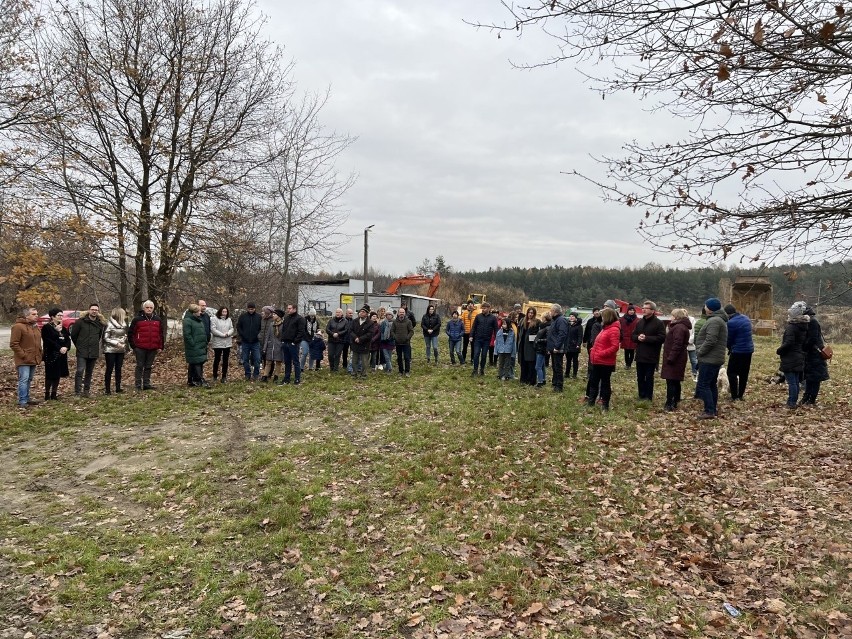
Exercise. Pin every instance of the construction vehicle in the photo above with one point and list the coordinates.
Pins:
(433, 281)
(540, 308)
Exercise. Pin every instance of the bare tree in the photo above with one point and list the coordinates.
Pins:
(18, 91)
(19, 88)
(766, 171)
(305, 190)
(157, 107)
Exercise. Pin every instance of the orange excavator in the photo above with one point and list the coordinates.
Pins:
(433, 281)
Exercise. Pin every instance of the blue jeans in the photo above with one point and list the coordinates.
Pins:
(250, 354)
(480, 353)
(291, 361)
(25, 380)
(431, 344)
(303, 353)
(707, 388)
(693, 361)
(455, 350)
(792, 388)
(539, 367)
(388, 354)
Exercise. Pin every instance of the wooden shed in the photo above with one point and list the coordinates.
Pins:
(752, 296)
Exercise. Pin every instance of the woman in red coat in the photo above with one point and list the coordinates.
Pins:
(675, 356)
(602, 356)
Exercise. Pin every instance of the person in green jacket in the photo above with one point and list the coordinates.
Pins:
(711, 344)
(195, 345)
(87, 333)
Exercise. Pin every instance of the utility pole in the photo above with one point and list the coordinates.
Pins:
(366, 235)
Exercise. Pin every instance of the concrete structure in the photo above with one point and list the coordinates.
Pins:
(752, 296)
(324, 295)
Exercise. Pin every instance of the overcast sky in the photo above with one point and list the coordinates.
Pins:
(458, 153)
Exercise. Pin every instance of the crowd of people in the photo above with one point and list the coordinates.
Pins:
(276, 345)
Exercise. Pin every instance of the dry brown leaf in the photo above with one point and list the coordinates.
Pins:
(758, 32)
(723, 73)
(775, 606)
(826, 33)
(533, 608)
(414, 620)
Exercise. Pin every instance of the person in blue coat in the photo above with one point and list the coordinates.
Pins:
(455, 333)
(740, 350)
(505, 347)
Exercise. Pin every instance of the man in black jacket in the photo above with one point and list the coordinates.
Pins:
(248, 332)
(484, 326)
(362, 334)
(338, 337)
(293, 332)
(649, 335)
(556, 337)
(350, 317)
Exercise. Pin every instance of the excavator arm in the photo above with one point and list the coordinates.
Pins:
(433, 281)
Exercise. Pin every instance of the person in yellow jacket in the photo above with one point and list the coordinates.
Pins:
(468, 314)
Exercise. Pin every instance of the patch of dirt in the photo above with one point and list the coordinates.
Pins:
(45, 472)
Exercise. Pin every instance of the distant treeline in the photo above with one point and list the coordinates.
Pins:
(827, 283)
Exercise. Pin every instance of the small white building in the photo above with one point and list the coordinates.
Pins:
(324, 295)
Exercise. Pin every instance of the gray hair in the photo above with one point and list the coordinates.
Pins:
(651, 304)
(556, 308)
(147, 303)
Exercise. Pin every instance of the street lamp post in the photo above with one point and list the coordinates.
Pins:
(366, 294)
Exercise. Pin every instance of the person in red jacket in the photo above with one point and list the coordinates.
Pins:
(603, 356)
(674, 356)
(627, 343)
(146, 340)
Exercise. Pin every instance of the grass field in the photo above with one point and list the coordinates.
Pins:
(434, 506)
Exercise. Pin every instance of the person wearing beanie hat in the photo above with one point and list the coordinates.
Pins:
(711, 344)
(792, 352)
(611, 304)
(740, 349)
